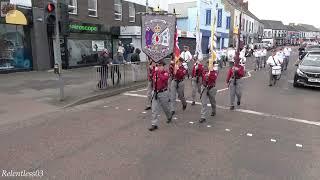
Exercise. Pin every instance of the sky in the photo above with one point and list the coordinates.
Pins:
(287, 11)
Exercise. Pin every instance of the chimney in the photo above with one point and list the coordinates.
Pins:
(245, 5)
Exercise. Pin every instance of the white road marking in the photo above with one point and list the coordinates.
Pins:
(144, 112)
(220, 90)
(139, 90)
(299, 145)
(129, 109)
(105, 106)
(191, 122)
(303, 121)
(228, 130)
(273, 140)
(209, 126)
(175, 118)
(249, 134)
(116, 107)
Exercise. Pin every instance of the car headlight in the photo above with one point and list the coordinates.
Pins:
(300, 73)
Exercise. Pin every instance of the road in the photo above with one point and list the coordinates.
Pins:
(273, 135)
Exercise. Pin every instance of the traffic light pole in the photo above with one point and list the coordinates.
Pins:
(57, 52)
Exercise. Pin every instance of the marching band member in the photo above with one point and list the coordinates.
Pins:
(160, 96)
(196, 79)
(208, 91)
(234, 82)
(177, 86)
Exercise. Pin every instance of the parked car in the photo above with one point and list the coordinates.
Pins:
(308, 71)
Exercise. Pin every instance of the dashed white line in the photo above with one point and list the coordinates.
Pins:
(144, 112)
(249, 134)
(191, 122)
(209, 126)
(299, 145)
(105, 106)
(175, 118)
(129, 109)
(273, 140)
(228, 130)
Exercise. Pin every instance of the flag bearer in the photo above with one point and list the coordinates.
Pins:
(196, 79)
(177, 86)
(151, 70)
(234, 82)
(208, 91)
(160, 95)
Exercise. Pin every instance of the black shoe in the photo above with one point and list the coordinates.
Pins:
(172, 113)
(238, 103)
(169, 100)
(153, 127)
(213, 114)
(270, 84)
(193, 103)
(147, 108)
(169, 120)
(202, 120)
(231, 107)
(184, 107)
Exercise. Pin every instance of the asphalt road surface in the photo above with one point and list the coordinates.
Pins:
(273, 135)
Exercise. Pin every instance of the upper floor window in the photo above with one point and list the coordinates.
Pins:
(132, 13)
(228, 26)
(236, 23)
(208, 17)
(118, 10)
(219, 22)
(73, 4)
(93, 8)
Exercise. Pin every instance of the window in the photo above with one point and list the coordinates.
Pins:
(219, 22)
(73, 4)
(208, 17)
(132, 13)
(237, 21)
(228, 22)
(118, 10)
(92, 8)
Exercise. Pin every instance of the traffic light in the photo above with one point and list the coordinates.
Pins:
(64, 18)
(50, 13)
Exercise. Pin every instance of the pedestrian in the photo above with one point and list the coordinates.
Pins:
(264, 57)
(208, 91)
(115, 69)
(219, 58)
(104, 61)
(275, 63)
(129, 51)
(120, 52)
(196, 79)
(160, 95)
(257, 59)
(177, 86)
(281, 57)
(234, 82)
(151, 70)
(224, 56)
(135, 60)
(187, 57)
(286, 52)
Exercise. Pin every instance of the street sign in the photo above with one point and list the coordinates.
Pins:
(158, 35)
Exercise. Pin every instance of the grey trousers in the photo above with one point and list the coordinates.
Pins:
(196, 87)
(258, 63)
(169, 84)
(149, 94)
(162, 101)
(235, 90)
(177, 88)
(211, 95)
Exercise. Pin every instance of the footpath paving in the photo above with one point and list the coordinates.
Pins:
(25, 95)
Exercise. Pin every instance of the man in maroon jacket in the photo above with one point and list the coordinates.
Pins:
(160, 96)
(234, 82)
(196, 79)
(208, 91)
(177, 86)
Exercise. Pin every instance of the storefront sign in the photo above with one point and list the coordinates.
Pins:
(83, 28)
(130, 30)
(26, 3)
(97, 46)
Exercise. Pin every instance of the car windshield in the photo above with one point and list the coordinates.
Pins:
(311, 61)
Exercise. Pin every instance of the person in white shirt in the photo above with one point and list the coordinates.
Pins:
(281, 56)
(256, 54)
(230, 54)
(274, 60)
(264, 57)
(219, 58)
(186, 55)
(224, 56)
(287, 52)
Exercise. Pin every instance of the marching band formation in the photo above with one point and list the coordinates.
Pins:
(165, 84)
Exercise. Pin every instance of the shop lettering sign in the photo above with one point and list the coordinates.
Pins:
(77, 27)
(6, 7)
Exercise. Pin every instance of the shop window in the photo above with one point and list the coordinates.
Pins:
(92, 8)
(74, 5)
(118, 10)
(132, 13)
(85, 52)
(15, 48)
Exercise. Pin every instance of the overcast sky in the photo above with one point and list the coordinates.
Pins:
(297, 11)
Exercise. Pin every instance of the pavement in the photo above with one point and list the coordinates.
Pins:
(273, 135)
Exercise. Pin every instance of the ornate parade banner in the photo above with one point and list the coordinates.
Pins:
(158, 35)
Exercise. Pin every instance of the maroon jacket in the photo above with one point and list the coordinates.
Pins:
(181, 72)
(209, 80)
(194, 71)
(240, 73)
(161, 77)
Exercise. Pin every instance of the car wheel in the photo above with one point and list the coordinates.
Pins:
(295, 84)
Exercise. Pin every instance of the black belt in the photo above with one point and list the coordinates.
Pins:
(179, 80)
(235, 78)
(162, 90)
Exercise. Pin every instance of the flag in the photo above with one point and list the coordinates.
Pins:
(176, 49)
(198, 39)
(213, 38)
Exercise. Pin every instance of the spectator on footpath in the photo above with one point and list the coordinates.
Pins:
(104, 61)
(129, 50)
(135, 59)
(120, 52)
(187, 57)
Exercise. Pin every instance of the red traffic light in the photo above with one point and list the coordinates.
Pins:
(50, 7)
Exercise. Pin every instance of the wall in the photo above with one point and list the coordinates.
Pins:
(182, 24)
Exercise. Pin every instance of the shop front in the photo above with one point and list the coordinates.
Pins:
(15, 42)
(85, 42)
